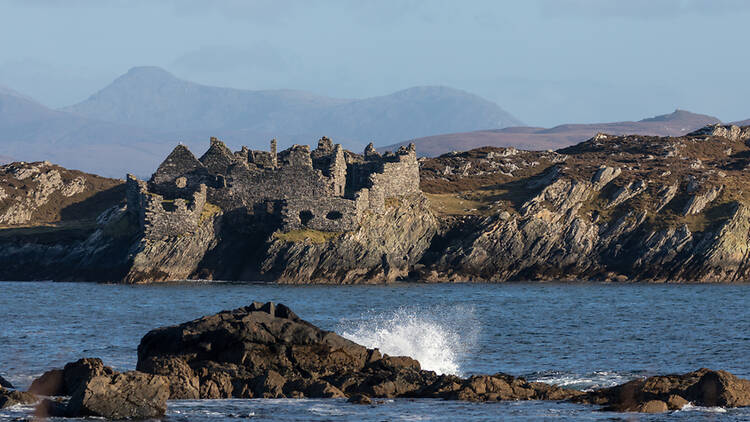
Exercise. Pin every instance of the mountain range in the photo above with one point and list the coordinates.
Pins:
(131, 123)
(677, 123)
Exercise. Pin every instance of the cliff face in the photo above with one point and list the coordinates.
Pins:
(386, 247)
(611, 208)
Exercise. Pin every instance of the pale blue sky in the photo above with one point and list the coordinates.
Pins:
(545, 61)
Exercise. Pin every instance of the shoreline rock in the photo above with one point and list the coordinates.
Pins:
(5, 383)
(98, 390)
(266, 351)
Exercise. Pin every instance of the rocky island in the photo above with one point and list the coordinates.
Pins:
(614, 208)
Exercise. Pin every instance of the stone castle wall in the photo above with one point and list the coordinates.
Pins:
(159, 217)
(324, 189)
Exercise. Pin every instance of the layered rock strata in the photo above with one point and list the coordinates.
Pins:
(613, 208)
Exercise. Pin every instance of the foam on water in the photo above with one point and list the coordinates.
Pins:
(586, 382)
(438, 339)
(690, 407)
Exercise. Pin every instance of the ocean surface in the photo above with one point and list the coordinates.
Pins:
(578, 335)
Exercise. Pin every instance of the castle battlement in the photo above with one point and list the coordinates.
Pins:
(326, 188)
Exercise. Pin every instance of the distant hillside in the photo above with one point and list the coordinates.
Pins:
(150, 97)
(675, 124)
(742, 123)
(131, 124)
(30, 131)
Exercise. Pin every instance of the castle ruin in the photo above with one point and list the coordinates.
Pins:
(327, 189)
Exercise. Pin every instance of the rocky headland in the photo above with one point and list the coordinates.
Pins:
(614, 208)
(266, 351)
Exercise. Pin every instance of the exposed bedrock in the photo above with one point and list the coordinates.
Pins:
(613, 208)
(554, 238)
(703, 387)
(386, 247)
(265, 350)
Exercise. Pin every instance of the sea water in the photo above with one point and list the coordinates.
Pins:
(582, 335)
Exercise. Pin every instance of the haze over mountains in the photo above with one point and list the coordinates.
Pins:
(132, 124)
(677, 123)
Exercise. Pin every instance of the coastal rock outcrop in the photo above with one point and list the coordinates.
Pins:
(5, 383)
(9, 397)
(703, 387)
(614, 208)
(384, 248)
(66, 381)
(98, 390)
(127, 395)
(266, 351)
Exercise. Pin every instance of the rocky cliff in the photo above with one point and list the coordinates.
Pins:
(612, 208)
(642, 208)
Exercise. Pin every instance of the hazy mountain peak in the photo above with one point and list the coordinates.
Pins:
(4, 90)
(153, 98)
(681, 115)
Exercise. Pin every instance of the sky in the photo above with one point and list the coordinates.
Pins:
(547, 62)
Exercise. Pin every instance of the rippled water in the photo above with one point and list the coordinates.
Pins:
(576, 335)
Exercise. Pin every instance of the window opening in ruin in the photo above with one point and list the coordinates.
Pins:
(305, 216)
(334, 215)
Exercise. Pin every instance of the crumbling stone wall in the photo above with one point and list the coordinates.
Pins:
(159, 217)
(325, 189)
(325, 214)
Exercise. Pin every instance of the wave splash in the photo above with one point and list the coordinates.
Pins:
(439, 340)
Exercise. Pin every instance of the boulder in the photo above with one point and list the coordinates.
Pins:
(653, 406)
(64, 382)
(51, 383)
(703, 387)
(5, 383)
(675, 402)
(262, 350)
(719, 388)
(359, 399)
(10, 398)
(51, 408)
(183, 382)
(127, 395)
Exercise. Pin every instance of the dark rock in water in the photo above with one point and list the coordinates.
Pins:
(359, 399)
(494, 388)
(265, 350)
(51, 408)
(5, 383)
(97, 390)
(51, 383)
(262, 350)
(183, 382)
(64, 382)
(12, 397)
(703, 387)
(127, 395)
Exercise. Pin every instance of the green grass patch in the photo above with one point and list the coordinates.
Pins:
(209, 210)
(314, 236)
